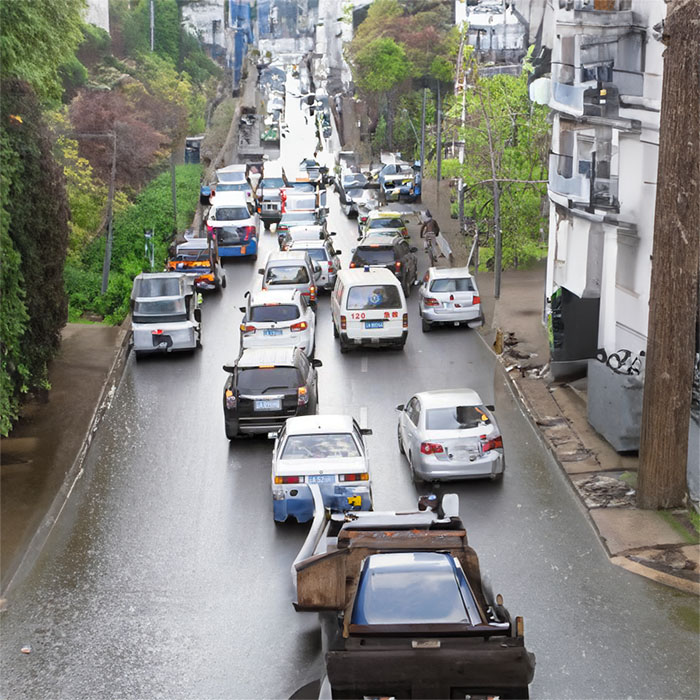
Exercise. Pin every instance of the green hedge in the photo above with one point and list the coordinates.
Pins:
(152, 210)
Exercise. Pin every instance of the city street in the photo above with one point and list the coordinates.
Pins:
(166, 576)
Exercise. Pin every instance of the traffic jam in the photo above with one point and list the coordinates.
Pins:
(400, 597)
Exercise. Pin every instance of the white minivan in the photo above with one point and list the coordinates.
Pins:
(368, 307)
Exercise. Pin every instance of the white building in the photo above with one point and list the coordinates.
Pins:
(97, 13)
(605, 93)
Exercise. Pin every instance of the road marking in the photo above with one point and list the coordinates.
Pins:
(363, 364)
(363, 416)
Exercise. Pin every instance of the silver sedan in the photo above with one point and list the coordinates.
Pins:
(450, 434)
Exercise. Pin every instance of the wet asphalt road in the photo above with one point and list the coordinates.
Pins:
(165, 576)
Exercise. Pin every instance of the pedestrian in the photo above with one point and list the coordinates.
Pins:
(429, 226)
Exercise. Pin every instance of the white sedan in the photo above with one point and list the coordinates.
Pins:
(325, 450)
(276, 318)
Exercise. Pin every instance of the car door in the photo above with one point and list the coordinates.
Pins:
(408, 426)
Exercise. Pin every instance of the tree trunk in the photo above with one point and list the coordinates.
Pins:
(675, 268)
(390, 120)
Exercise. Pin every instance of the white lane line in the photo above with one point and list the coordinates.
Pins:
(363, 364)
(363, 416)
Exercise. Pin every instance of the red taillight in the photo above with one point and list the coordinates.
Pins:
(158, 332)
(301, 326)
(452, 297)
(431, 448)
(290, 479)
(352, 264)
(230, 399)
(429, 301)
(302, 396)
(364, 476)
(425, 277)
(312, 291)
(210, 229)
(249, 231)
(491, 444)
(476, 300)
(397, 264)
(331, 270)
(405, 320)
(247, 329)
(343, 323)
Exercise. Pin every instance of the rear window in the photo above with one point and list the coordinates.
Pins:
(160, 310)
(304, 186)
(287, 274)
(231, 213)
(386, 223)
(460, 284)
(456, 418)
(301, 203)
(329, 446)
(229, 235)
(276, 312)
(294, 217)
(232, 187)
(374, 256)
(318, 254)
(269, 380)
(271, 183)
(372, 296)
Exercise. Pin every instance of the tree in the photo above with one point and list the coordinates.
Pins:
(673, 305)
(37, 38)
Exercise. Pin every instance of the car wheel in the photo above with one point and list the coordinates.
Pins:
(223, 282)
(425, 325)
(231, 432)
(406, 288)
(344, 348)
(335, 331)
(398, 437)
(497, 478)
(414, 477)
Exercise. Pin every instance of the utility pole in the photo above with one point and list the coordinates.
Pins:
(422, 134)
(173, 191)
(438, 137)
(152, 17)
(673, 301)
(461, 84)
(110, 200)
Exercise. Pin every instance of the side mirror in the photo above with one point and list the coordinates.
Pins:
(490, 407)
(316, 363)
(198, 315)
(334, 233)
(354, 249)
(242, 309)
(365, 431)
(272, 435)
(413, 249)
(261, 271)
(229, 368)
(338, 252)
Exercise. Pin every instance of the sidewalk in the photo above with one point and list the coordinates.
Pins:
(660, 545)
(43, 454)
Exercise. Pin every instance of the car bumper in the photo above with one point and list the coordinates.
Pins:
(303, 341)
(431, 468)
(437, 315)
(296, 501)
(238, 251)
(167, 340)
(374, 341)
(261, 424)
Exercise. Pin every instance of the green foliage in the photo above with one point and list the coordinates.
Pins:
(520, 138)
(73, 75)
(151, 210)
(34, 238)
(381, 65)
(37, 38)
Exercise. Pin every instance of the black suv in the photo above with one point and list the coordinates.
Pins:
(394, 253)
(266, 386)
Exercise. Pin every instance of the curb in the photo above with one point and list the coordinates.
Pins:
(682, 584)
(47, 524)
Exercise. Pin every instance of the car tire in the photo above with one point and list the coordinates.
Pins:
(497, 478)
(414, 477)
(402, 450)
(407, 288)
(223, 282)
(425, 325)
(344, 348)
(335, 331)
(231, 432)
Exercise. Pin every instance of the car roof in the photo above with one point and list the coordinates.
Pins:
(308, 244)
(283, 256)
(385, 214)
(235, 168)
(304, 425)
(275, 296)
(443, 398)
(316, 229)
(381, 239)
(255, 357)
(449, 272)
(374, 275)
(228, 197)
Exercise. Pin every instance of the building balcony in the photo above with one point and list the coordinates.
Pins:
(574, 187)
(570, 184)
(597, 13)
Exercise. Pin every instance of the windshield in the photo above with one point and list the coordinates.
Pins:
(272, 183)
(160, 310)
(274, 312)
(328, 446)
(228, 235)
(456, 418)
(354, 193)
(230, 178)
(373, 297)
(268, 380)
(374, 256)
(461, 284)
(354, 180)
(287, 274)
(304, 186)
(386, 223)
(293, 217)
(157, 286)
(232, 187)
(230, 213)
(301, 203)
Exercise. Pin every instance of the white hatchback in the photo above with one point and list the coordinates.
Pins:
(449, 295)
(277, 318)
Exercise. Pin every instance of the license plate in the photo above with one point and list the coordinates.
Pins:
(267, 404)
(242, 250)
(272, 331)
(320, 479)
(374, 324)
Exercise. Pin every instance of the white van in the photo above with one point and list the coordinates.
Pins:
(368, 307)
